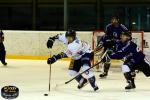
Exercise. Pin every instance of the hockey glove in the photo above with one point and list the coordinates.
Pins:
(109, 52)
(50, 42)
(54, 58)
(109, 44)
(51, 60)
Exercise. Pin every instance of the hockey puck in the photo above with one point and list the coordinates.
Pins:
(45, 94)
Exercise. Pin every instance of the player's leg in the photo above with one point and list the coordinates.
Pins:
(129, 76)
(144, 66)
(86, 63)
(73, 71)
(106, 67)
(3, 55)
(109, 45)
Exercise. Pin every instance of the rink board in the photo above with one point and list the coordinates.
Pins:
(32, 44)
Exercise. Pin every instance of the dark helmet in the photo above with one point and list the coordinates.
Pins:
(71, 33)
(128, 33)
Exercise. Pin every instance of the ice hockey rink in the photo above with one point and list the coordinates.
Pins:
(31, 77)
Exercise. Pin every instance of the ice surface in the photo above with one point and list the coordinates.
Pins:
(31, 76)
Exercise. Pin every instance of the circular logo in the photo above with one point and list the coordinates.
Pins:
(10, 92)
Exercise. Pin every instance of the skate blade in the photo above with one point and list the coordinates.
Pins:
(129, 90)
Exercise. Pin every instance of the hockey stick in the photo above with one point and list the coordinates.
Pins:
(49, 81)
(88, 68)
(50, 75)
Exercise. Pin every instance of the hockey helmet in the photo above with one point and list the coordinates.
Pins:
(128, 33)
(71, 33)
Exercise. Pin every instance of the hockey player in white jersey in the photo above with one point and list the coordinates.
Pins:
(81, 55)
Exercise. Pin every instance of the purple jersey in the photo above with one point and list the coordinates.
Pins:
(128, 50)
(114, 32)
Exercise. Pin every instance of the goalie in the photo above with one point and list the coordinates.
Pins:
(134, 59)
(81, 55)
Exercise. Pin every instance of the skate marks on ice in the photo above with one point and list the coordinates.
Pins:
(104, 93)
(32, 79)
(71, 89)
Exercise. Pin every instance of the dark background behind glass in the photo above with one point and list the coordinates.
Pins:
(82, 14)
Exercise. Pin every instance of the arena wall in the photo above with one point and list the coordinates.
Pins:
(32, 44)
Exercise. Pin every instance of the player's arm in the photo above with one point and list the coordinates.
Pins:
(120, 54)
(98, 48)
(124, 28)
(123, 53)
(108, 31)
(100, 44)
(54, 58)
(66, 54)
(104, 42)
(116, 55)
(51, 40)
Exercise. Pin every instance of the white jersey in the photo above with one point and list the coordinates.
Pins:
(76, 49)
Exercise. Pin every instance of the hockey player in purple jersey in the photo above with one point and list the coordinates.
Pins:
(133, 58)
(112, 33)
(115, 28)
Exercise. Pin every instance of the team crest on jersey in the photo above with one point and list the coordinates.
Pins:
(115, 34)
